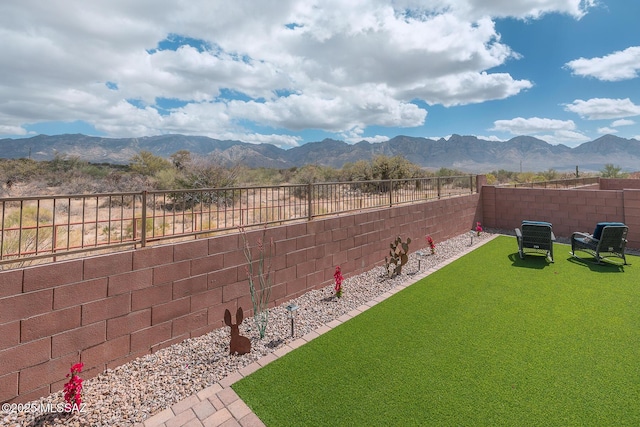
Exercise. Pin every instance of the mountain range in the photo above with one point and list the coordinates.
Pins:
(465, 153)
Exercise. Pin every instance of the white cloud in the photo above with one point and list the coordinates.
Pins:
(491, 138)
(282, 141)
(356, 108)
(607, 130)
(566, 137)
(522, 9)
(620, 65)
(563, 131)
(460, 89)
(533, 125)
(623, 122)
(355, 135)
(374, 139)
(282, 64)
(12, 130)
(603, 108)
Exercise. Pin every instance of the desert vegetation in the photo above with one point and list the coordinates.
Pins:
(183, 170)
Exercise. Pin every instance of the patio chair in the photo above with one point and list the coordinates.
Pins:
(607, 241)
(536, 236)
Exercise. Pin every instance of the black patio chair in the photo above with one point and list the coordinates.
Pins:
(608, 241)
(536, 236)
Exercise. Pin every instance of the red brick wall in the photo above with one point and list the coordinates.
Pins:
(631, 199)
(107, 310)
(619, 184)
(568, 210)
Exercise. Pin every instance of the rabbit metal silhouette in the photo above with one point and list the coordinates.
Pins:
(239, 344)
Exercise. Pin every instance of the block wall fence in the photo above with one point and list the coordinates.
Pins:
(568, 210)
(110, 309)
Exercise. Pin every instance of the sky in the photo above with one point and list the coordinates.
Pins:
(288, 72)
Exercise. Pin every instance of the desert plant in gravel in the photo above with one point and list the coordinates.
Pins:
(338, 279)
(398, 256)
(258, 270)
(73, 389)
(478, 228)
(432, 245)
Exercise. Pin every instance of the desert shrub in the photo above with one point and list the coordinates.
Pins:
(64, 163)
(203, 174)
(121, 182)
(181, 159)
(207, 173)
(357, 171)
(124, 201)
(396, 167)
(311, 174)
(612, 171)
(381, 168)
(97, 172)
(449, 172)
(550, 174)
(147, 163)
(527, 177)
(18, 170)
(157, 227)
(74, 183)
(504, 176)
(166, 179)
(263, 176)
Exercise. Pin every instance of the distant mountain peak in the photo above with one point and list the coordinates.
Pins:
(467, 153)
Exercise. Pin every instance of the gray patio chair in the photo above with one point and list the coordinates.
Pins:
(608, 240)
(536, 236)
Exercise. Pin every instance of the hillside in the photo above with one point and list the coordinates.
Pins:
(466, 153)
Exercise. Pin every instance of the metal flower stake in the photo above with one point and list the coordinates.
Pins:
(260, 279)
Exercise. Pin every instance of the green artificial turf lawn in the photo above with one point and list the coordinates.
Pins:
(487, 340)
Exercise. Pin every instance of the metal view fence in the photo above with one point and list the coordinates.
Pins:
(56, 227)
(561, 183)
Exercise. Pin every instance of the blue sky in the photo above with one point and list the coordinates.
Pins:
(288, 72)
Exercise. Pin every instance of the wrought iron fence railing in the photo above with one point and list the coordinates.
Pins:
(559, 183)
(50, 228)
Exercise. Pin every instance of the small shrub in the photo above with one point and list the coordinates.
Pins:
(260, 278)
(153, 228)
(432, 245)
(73, 388)
(338, 279)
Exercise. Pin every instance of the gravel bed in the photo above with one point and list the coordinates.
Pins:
(135, 391)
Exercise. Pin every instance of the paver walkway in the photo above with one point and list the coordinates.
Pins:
(219, 405)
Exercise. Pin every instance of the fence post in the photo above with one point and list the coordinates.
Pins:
(240, 207)
(143, 233)
(439, 187)
(54, 233)
(309, 204)
(390, 193)
(471, 183)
